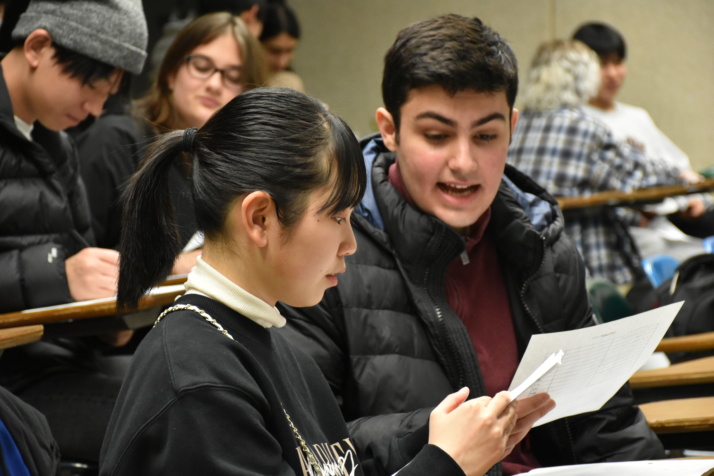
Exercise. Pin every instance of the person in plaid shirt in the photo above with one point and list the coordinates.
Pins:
(571, 154)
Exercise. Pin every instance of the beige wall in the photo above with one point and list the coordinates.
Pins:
(670, 57)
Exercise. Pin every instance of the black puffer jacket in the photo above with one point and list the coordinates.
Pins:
(44, 217)
(392, 349)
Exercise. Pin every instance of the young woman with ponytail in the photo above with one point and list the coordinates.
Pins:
(214, 388)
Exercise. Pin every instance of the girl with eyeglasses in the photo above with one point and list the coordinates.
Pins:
(211, 60)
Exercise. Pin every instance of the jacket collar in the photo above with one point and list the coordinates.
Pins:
(6, 112)
(524, 215)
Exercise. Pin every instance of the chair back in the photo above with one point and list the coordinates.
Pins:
(659, 268)
(608, 302)
(708, 244)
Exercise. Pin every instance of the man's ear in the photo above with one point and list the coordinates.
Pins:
(257, 215)
(514, 120)
(36, 46)
(385, 123)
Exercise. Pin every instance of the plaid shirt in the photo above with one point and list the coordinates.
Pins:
(570, 154)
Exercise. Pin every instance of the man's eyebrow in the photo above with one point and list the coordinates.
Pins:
(489, 118)
(437, 117)
(451, 123)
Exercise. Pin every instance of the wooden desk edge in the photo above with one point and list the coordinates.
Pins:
(77, 311)
(692, 372)
(681, 415)
(15, 336)
(618, 197)
(690, 343)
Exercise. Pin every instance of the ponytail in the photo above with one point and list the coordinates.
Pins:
(275, 140)
(149, 241)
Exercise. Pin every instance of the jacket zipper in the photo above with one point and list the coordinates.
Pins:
(527, 282)
(442, 324)
(496, 469)
(565, 422)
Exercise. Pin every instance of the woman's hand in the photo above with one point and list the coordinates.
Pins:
(474, 433)
(479, 433)
(528, 411)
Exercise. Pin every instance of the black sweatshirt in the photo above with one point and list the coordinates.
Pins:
(196, 402)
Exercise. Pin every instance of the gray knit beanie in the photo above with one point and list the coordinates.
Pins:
(111, 31)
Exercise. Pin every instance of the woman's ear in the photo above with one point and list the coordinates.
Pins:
(171, 81)
(257, 215)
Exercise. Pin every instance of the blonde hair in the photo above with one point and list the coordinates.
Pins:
(563, 73)
(156, 107)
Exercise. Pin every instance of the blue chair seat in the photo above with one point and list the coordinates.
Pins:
(708, 244)
(659, 268)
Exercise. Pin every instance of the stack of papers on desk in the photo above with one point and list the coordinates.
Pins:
(582, 369)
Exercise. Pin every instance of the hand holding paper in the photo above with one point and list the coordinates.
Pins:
(594, 362)
(550, 362)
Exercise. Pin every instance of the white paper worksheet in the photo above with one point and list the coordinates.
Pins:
(595, 362)
(701, 467)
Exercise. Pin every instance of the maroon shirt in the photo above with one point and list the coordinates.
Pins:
(476, 293)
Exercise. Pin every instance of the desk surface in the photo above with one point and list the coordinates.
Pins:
(692, 372)
(641, 196)
(690, 343)
(681, 415)
(15, 336)
(160, 296)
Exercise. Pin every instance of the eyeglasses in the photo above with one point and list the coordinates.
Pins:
(201, 67)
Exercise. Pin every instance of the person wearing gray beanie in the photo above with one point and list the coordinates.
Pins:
(67, 57)
(111, 31)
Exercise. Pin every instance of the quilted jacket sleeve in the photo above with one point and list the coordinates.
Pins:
(33, 277)
(385, 443)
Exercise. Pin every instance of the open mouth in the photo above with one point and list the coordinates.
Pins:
(457, 190)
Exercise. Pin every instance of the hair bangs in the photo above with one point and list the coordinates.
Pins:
(345, 167)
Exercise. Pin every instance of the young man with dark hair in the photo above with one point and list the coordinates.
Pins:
(458, 263)
(69, 57)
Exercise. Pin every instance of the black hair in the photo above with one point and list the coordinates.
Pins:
(77, 65)
(10, 17)
(603, 39)
(276, 140)
(236, 7)
(452, 51)
(280, 18)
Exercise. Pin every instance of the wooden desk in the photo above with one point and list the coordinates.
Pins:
(15, 336)
(690, 343)
(686, 414)
(682, 423)
(693, 372)
(83, 318)
(88, 309)
(614, 198)
(175, 279)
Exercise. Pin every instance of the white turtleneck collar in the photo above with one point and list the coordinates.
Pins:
(205, 280)
(24, 128)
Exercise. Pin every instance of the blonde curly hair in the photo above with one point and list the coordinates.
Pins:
(562, 73)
